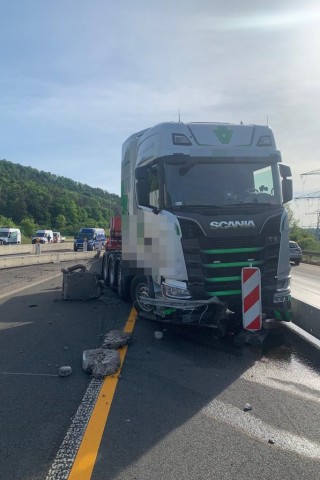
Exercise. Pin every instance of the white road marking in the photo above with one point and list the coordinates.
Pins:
(67, 452)
(248, 424)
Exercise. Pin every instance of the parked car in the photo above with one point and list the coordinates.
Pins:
(295, 252)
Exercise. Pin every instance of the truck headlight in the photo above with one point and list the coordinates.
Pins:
(283, 284)
(175, 289)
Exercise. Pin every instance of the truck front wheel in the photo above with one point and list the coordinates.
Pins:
(141, 287)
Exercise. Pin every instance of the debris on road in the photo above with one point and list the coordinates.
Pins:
(158, 335)
(247, 407)
(101, 362)
(65, 371)
(116, 339)
(80, 284)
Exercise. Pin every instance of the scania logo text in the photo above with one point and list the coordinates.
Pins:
(233, 224)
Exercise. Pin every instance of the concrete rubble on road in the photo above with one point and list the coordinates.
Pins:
(101, 362)
(116, 339)
(104, 361)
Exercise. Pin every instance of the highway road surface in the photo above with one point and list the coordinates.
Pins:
(185, 406)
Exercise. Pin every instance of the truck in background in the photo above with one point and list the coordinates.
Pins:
(10, 236)
(201, 201)
(94, 237)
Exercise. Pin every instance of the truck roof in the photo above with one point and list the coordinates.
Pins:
(203, 139)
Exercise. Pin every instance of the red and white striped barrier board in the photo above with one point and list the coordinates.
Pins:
(251, 299)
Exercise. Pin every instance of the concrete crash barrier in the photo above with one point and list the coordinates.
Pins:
(306, 317)
(25, 249)
(27, 260)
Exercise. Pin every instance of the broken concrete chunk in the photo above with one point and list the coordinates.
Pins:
(65, 371)
(101, 362)
(116, 339)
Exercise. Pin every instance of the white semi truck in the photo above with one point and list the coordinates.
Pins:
(200, 201)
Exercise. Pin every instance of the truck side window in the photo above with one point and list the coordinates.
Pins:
(154, 186)
(148, 186)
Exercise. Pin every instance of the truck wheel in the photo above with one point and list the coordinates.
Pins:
(297, 262)
(75, 248)
(112, 271)
(140, 287)
(105, 271)
(121, 288)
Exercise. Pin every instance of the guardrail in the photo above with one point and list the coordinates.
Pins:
(314, 254)
(311, 257)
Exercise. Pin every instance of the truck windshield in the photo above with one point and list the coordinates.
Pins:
(201, 182)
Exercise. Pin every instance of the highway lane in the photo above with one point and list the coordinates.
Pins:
(178, 410)
(306, 283)
(39, 332)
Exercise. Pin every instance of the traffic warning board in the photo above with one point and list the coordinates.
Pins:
(251, 298)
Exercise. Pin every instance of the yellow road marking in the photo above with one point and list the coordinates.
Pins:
(84, 462)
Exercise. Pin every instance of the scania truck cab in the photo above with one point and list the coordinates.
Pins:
(200, 201)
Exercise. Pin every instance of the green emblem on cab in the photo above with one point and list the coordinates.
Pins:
(224, 135)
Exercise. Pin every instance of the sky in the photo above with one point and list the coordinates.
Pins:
(78, 77)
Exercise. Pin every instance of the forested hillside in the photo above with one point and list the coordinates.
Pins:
(32, 199)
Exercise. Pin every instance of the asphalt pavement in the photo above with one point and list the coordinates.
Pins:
(181, 404)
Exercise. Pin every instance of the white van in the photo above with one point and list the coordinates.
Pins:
(42, 236)
(10, 236)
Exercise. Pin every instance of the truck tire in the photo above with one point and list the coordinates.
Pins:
(141, 286)
(121, 287)
(105, 271)
(112, 278)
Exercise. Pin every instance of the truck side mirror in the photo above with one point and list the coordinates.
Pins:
(287, 190)
(285, 170)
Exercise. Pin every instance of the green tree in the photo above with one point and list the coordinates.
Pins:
(28, 226)
(60, 221)
(6, 222)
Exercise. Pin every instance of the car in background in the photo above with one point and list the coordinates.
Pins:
(10, 236)
(295, 252)
(93, 236)
(42, 236)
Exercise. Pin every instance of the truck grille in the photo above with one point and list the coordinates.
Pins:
(214, 264)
